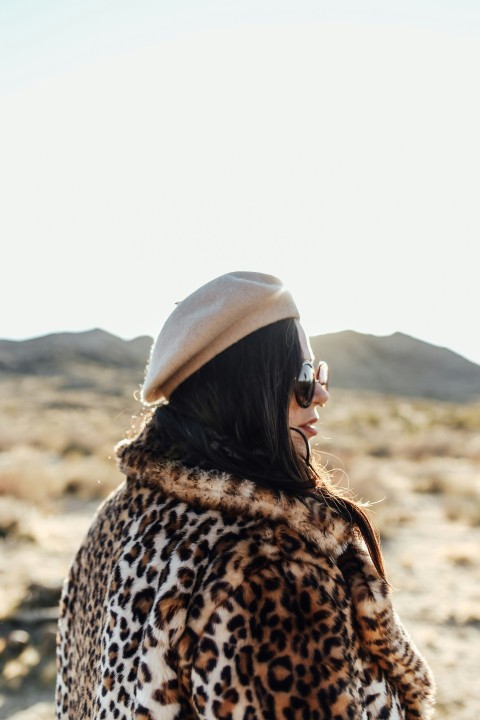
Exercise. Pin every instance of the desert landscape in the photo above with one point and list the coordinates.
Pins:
(416, 459)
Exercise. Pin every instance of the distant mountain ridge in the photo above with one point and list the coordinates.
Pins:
(51, 354)
(396, 364)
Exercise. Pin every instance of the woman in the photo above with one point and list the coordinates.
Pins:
(226, 578)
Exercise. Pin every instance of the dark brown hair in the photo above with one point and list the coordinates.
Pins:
(232, 415)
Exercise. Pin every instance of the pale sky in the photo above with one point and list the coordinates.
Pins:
(147, 147)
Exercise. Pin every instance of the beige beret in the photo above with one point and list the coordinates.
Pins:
(207, 322)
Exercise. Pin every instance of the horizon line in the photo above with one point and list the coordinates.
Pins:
(337, 332)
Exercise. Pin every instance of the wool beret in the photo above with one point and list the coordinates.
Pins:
(210, 320)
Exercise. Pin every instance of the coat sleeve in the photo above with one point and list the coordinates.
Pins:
(279, 647)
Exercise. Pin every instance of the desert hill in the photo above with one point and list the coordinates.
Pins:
(396, 364)
(54, 354)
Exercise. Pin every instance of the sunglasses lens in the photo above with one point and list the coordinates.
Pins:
(305, 386)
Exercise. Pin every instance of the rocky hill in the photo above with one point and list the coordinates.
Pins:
(55, 354)
(397, 364)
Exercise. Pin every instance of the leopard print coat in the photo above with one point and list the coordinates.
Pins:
(195, 595)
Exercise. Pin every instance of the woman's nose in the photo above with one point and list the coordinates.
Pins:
(320, 396)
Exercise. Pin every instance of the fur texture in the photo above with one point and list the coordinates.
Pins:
(198, 596)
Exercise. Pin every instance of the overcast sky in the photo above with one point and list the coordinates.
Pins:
(147, 147)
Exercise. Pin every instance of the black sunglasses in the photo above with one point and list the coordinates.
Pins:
(304, 387)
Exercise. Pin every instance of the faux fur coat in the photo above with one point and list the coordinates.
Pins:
(198, 596)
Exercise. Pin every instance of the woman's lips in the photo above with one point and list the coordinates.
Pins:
(309, 428)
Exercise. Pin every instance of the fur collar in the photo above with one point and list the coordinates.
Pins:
(319, 524)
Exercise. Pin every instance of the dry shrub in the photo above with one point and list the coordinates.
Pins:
(90, 477)
(29, 474)
(16, 519)
(55, 440)
(456, 481)
(386, 427)
(465, 417)
(375, 484)
(464, 507)
(463, 555)
(432, 484)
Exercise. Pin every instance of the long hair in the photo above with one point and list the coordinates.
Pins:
(232, 415)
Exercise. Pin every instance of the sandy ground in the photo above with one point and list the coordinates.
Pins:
(435, 572)
(433, 566)
(41, 560)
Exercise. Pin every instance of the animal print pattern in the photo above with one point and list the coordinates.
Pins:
(198, 596)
